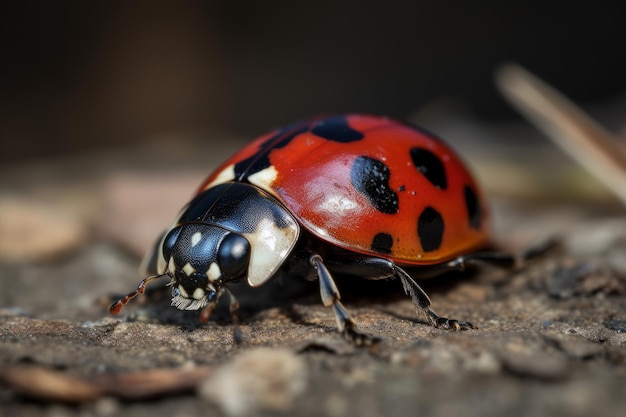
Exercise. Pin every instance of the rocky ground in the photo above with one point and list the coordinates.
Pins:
(551, 337)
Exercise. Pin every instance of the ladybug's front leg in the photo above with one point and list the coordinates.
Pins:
(330, 297)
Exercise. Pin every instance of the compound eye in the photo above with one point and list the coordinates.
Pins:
(234, 255)
(169, 242)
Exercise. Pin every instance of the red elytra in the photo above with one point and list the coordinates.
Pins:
(312, 176)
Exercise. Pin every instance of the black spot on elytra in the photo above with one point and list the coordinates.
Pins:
(430, 166)
(371, 178)
(382, 243)
(336, 129)
(473, 207)
(430, 229)
(261, 160)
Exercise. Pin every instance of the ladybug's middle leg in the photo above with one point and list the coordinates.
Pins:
(330, 297)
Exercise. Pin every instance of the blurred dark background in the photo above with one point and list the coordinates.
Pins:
(78, 76)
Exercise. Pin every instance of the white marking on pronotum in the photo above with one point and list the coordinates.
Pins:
(213, 272)
(196, 238)
(270, 246)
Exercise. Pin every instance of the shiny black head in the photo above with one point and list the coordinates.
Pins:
(200, 258)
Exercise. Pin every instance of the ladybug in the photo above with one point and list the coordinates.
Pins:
(355, 195)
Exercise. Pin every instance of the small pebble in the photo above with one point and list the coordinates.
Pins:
(540, 365)
(563, 283)
(578, 347)
(259, 379)
(617, 325)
